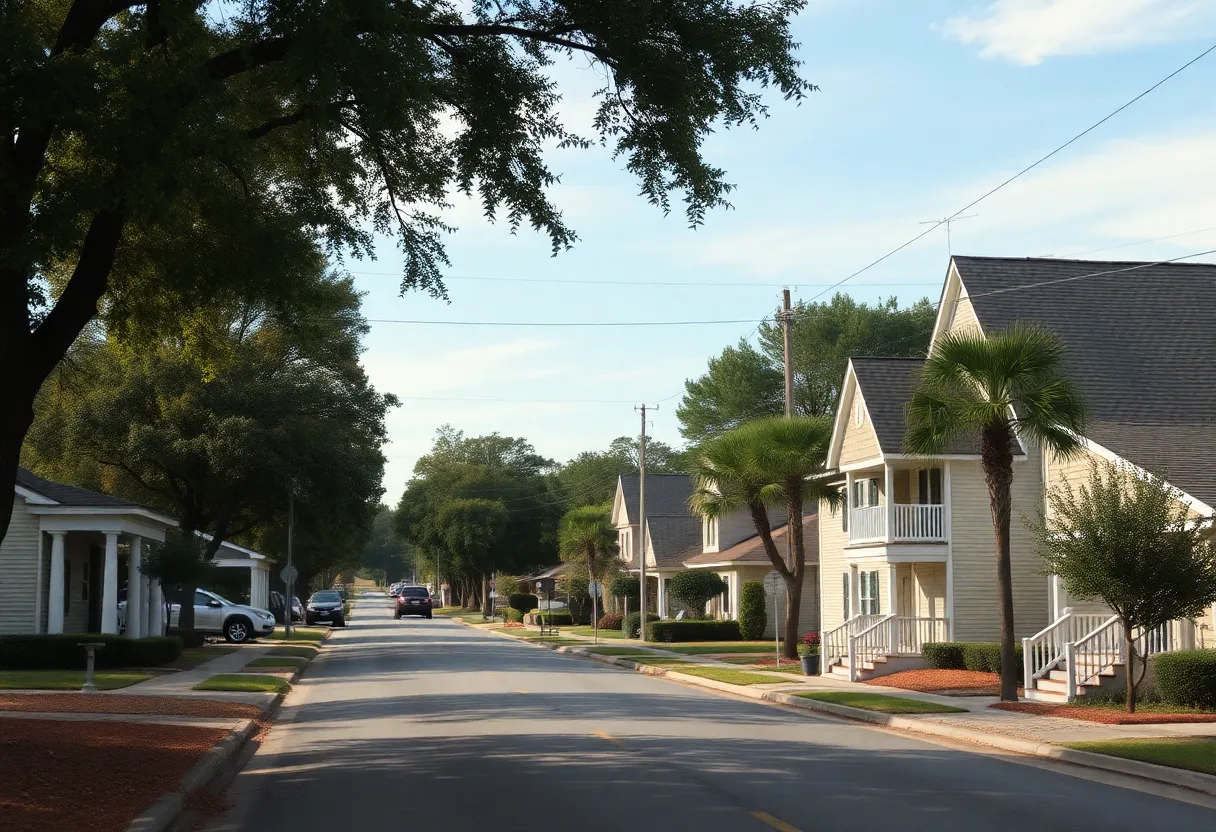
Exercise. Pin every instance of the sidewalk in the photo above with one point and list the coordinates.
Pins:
(182, 682)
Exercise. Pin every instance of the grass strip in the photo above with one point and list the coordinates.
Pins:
(298, 651)
(792, 669)
(718, 647)
(1191, 753)
(730, 676)
(293, 662)
(618, 651)
(590, 631)
(67, 679)
(195, 656)
(312, 634)
(244, 683)
(657, 661)
(881, 703)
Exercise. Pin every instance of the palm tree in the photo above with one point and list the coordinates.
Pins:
(772, 461)
(1011, 384)
(585, 537)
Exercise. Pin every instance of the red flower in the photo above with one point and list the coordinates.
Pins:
(810, 638)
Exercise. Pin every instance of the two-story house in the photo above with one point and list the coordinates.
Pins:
(910, 556)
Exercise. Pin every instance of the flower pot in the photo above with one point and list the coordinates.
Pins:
(810, 665)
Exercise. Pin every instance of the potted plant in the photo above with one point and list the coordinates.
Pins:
(808, 651)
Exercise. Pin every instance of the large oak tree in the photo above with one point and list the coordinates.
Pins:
(128, 128)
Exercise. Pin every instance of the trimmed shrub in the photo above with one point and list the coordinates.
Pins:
(506, 586)
(752, 615)
(673, 631)
(626, 586)
(555, 619)
(629, 624)
(695, 588)
(1187, 678)
(610, 621)
(983, 656)
(513, 615)
(523, 602)
(62, 652)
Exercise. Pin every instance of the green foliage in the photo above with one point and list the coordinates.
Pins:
(385, 551)
(244, 683)
(63, 652)
(506, 585)
(513, 615)
(630, 623)
(752, 615)
(1187, 678)
(881, 703)
(695, 587)
(679, 631)
(179, 562)
(610, 621)
(555, 619)
(967, 655)
(626, 586)
(590, 478)
(523, 602)
(745, 383)
(586, 539)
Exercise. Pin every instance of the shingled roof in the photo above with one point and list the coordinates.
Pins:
(667, 495)
(69, 495)
(751, 550)
(1141, 345)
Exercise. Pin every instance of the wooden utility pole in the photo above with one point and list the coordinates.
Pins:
(642, 524)
(786, 316)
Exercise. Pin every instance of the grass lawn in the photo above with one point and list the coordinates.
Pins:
(245, 683)
(792, 669)
(717, 647)
(195, 656)
(306, 634)
(1192, 753)
(618, 651)
(590, 631)
(882, 704)
(296, 662)
(299, 651)
(730, 676)
(554, 640)
(658, 661)
(67, 679)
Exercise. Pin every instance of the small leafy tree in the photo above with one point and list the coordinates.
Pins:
(695, 588)
(506, 585)
(1124, 537)
(752, 615)
(178, 564)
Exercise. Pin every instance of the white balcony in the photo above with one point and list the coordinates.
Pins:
(911, 523)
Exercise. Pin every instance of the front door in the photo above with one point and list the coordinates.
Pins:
(91, 588)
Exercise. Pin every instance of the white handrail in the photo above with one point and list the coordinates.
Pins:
(870, 643)
(919, 521)
(914, 633)
(834, 644)
(1044, 651)
(1095, 652)
(868, 523)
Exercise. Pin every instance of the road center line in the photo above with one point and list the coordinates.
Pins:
(776, 823)
(610, 738)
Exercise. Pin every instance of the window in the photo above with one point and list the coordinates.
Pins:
(865, 493)
(868, 586)
(929, 483)
(709, 532)
(626, 543)
(847, 596)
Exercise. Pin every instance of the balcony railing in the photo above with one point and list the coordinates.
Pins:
(914, 522)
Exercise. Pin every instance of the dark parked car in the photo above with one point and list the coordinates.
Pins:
(277, 607)
(325, 605)
(413, 600)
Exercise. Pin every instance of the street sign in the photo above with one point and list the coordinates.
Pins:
(595, 589)
(288, 574)
(774, 584)
(493, 594)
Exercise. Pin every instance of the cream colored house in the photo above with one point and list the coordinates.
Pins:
(910, 558)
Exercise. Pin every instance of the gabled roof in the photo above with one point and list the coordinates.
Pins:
(1141, 345)
(667, 495)
(673, 540)
(751, 550)
(69, 495)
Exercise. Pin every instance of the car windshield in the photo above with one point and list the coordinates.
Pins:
(223, 600)
(326, 597)
(415, 591)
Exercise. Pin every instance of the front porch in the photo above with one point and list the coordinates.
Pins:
(888, 503)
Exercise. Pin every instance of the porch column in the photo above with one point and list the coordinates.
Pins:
(145, 596)
(135, 613)
(893, 589)
(156, 609)
(1059, 597)
(54, 615)
(109, 586)
(661, 598)
(889, 499)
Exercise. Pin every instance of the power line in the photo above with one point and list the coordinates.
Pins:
(558, 323)
(642, 283)
(513, 401)
(1019, 174)
(1138, 242)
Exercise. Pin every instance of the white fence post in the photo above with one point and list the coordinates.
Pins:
(852, 659)
(1070, 658)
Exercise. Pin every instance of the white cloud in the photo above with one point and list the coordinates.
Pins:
(1028, 31)
(464, 369)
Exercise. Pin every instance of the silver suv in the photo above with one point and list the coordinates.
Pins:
(216, 614)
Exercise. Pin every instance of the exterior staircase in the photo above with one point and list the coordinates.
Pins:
(868, 646)
(1081, 655)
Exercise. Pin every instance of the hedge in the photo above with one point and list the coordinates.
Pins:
(1187, 678)
(752, 616)
(967, 655)
(555, 619)
(512, 614)
(522, 601)
(610, 621)
(62, 652)
(694, 631)
(629, 625)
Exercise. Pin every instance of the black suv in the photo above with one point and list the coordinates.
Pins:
(325, 605)
(413, 600)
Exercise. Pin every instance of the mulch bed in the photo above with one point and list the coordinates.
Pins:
(947, 682)
(772, 662)
(60, 775)
(100, 703)
(1106, 716)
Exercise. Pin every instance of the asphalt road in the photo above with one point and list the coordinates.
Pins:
(418, 724)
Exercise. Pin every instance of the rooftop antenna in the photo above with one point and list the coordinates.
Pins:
(947, 221)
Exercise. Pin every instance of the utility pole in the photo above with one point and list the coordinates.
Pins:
(948, 221)
(291, 586)
(642, 524)
(786, 318)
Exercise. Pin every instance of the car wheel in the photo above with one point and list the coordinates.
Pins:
(340, 622)
(428, 616)
(238, 629)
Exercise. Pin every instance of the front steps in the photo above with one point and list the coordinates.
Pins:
(1053, 688)
(880, 666)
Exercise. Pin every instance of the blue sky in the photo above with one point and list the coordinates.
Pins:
(923, 106)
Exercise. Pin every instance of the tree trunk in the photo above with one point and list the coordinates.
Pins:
(1130, 667)
(996, 457)
(15, 420)
(485, 595)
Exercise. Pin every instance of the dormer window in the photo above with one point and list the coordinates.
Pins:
(709, 532)
(859, 413)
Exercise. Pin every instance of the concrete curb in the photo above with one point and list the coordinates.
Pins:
(1205, 783)
(165, 811)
